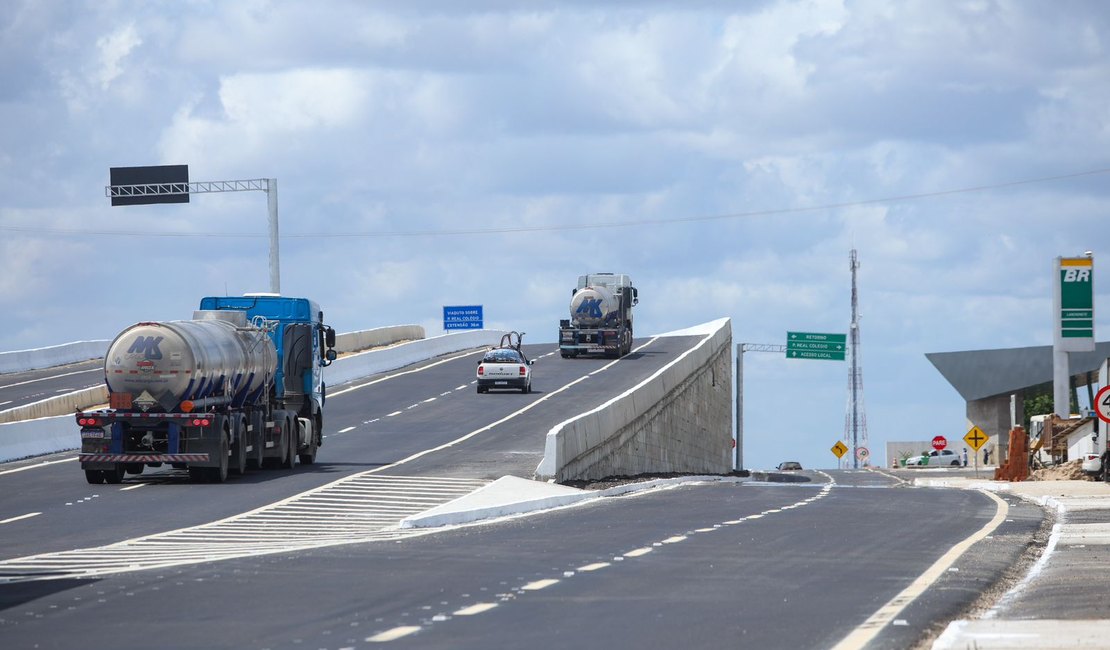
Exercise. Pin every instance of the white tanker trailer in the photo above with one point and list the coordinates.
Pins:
(600, 316)
(238, 385)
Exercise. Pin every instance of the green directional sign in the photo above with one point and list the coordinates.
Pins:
(815, 345)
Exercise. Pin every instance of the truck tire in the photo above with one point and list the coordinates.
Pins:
(94, 476)
(239, 450)
(114, 476)
(289, 459)
(218, 474)
(309, 456)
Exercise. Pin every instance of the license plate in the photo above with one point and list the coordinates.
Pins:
(500, 383)
(92, 434)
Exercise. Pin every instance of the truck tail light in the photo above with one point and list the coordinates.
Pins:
(523, 371)
(481, 371)
(88, 422)
(201, 422)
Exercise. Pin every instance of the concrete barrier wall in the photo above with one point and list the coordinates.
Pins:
(55, 355)
(677, 420)
(46, 435)
(58, 405)
(366, 339)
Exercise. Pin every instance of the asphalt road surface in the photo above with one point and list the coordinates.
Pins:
(724, 564)
(23, 388)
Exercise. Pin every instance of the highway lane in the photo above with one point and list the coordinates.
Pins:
(796, 565)
(382, 421)
(23, 388)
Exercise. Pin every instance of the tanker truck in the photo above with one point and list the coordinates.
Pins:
(238, 385)
(600, 316)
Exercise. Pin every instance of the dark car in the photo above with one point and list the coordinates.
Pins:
(789, 465)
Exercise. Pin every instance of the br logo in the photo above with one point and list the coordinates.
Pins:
(590, 307)
(1077, 275)
(146, 346)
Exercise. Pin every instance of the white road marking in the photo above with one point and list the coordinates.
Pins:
(394, 634)
(346, 430)
(394, 413)
(7, 402)
(638, 552)
(539, 584)
(870, 628)
(133, 487)
(405, 372)
(37, 465)
(475, 609)
(594, 567)
(430, 399)
(20, 517)
(64, 374)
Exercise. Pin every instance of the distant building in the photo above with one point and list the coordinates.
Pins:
(987, 378)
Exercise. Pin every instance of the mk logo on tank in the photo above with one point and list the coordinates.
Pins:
(590, 307)
(146, 346)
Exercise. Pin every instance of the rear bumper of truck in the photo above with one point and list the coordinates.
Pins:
(108, 461)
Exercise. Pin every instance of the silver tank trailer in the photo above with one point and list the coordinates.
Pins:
(590, 306)
(217, 353)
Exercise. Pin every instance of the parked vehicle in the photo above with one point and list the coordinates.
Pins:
(238, 385)
(790, 465)
(505, 367)
(600, 316)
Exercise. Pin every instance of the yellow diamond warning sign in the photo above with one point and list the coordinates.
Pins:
(839, 449)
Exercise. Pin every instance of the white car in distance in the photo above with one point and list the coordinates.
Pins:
(505, 368)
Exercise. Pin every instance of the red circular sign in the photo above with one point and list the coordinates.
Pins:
(940, 443)
(1102, 404)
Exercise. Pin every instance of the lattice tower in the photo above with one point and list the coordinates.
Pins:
(855, 418)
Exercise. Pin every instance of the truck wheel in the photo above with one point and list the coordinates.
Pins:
(239, 452)
(309, 457)
(114, 476)
(290, 457)
(94, 476)
(218, 474)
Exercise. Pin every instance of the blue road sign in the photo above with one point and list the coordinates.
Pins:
(463, 317)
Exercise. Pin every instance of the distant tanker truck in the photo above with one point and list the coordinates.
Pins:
(238, 385)
(600, 316)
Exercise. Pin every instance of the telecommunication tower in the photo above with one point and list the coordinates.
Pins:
(855, 419)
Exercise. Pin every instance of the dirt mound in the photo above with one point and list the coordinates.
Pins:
(1069, 471)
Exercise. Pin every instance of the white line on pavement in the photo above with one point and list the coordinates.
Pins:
(26, 516)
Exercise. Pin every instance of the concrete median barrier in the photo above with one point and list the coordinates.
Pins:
(677, 420)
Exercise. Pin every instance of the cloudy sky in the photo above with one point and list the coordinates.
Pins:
(726, 155)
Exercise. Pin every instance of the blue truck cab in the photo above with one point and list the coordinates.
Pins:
(304, 344)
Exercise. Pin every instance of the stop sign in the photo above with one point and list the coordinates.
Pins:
(939, 443)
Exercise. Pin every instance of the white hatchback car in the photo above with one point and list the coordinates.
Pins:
(935, 458)
(505, 368)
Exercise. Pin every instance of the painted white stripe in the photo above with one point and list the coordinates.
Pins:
(870, 628)
(26, 516)
(133, 487)
(430, 399)
(64, 374)
(394, 634)
(37, 465)
(539, 584)
(638, 552)
(475, 609)
(346, 430)
(394, 413)
(674, 540)
(594, 567)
